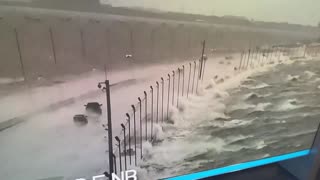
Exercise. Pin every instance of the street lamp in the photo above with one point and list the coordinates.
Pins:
(105, 86)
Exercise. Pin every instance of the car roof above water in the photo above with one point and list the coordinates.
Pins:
(93, 104)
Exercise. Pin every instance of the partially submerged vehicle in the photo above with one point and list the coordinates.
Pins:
(80, 119)
(93, 107)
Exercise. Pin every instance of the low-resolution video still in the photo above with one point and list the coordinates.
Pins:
(156, 89)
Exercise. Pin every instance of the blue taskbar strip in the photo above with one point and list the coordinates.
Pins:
(241, 166)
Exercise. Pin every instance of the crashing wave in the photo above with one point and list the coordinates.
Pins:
(302, 133)
(240, 106)
(259, 86)
(309, 74)
(316, 80)
(289, 104)
(251, 96)
(230, 124)
(292, 78)
(262, 106)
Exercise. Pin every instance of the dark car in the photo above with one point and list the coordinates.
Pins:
(80, 119)
(94, 107)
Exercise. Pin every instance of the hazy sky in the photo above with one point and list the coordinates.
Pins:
(293, 11)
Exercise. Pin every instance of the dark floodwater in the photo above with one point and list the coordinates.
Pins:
(271, 113)
(278, 111)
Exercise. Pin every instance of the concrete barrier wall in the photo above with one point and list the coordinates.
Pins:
(56, 46)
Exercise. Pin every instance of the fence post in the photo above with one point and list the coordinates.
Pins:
(256, 55)
(157, 85)
(268, 57)
(260, 55)
(151, 111)
(168, 104)
(178, 87)
(189, 80)
(83, 46)
(279, 53)
(264, 57)
(128, 118)
(115, 163)
(125, 145)
(248, 59)
(146, 113)
(201, 60)
(204, 67)
(119, 146)
(240, 61)
(198, 77)
(20, 55)
(134, 134)
(243, 65)
(275, 51)
(53, 46)
(140, 116)
(194, 74)
(182, 80)
(162, 96)
(173, 78)
(252, 58)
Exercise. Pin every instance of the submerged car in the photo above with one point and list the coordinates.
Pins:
(94, 107)
(80, 119)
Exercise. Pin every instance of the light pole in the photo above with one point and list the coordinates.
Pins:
(128, 119)
(162, 96)
(105, 86)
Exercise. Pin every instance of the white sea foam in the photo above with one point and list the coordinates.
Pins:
(293, 78)
(289, 104)
(240, 106)
(260, 144)
(309, 74)
(316, 80)
(182, 140)
(259, 86)
(262, 106)
(300, 133)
